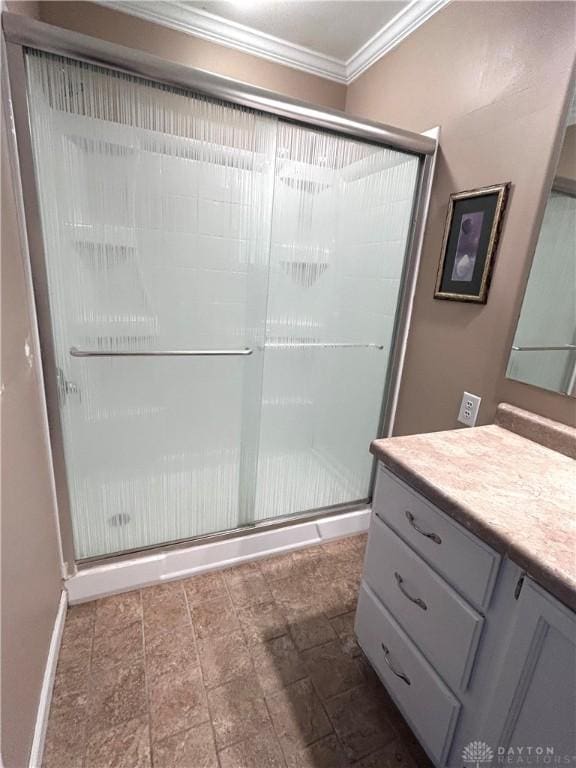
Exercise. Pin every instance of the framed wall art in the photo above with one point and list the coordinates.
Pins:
(470, 241)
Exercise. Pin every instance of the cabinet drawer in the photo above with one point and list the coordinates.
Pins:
(468, 564)
(428, 705)
(440, 622)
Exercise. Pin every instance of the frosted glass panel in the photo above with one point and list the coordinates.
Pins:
(155, 209)
(341, 219)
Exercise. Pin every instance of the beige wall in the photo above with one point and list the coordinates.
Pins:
(494, 75)
(30, 574)
(177, 46)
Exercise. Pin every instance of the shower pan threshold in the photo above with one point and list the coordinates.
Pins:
(123, 573)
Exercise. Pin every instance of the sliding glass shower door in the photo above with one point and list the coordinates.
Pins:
(156, 216)
(340, 226)
(223, 287)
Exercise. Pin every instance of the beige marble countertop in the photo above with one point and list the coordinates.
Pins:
(515, 494)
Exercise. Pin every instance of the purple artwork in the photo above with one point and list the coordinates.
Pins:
(467, 248)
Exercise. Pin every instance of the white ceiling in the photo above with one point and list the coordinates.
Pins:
(336, 39)
(337, 28)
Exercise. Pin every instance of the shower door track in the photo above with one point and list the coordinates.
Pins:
(259, 526)
(22, 32)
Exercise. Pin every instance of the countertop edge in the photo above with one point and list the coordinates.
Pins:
(538, 572)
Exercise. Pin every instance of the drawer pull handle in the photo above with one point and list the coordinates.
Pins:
(416, 600)
(412, 520)
(401, 675)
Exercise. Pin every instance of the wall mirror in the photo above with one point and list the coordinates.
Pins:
(544, 349)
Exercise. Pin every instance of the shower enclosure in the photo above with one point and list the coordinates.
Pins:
(224, 292)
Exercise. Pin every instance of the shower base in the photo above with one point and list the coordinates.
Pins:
(186, 501)
(121, 574)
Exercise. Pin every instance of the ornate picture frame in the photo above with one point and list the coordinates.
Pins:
(471, 234)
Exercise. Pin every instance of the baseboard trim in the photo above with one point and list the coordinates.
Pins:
(143, 570)
(43, 710)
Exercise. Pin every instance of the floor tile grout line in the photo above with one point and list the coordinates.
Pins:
(234, 608)
(89, 691)
(203, 682)
(146, 685)
(98, 671)
(299, 651)
(322, 702)
(327, 713)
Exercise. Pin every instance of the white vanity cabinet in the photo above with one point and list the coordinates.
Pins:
(534, 699)
(468, 647)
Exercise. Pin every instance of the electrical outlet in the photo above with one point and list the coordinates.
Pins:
(469, 408)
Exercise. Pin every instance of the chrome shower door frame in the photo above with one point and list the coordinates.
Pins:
(22, 32)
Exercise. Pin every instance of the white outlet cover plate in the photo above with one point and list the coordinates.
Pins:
(469, 408)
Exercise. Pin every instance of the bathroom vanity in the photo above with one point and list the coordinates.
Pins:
(466, 608)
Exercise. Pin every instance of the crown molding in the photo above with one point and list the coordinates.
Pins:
(216, 29)
(387, 38)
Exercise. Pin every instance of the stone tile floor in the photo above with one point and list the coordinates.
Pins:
(251, 667)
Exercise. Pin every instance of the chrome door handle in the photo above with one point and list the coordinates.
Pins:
(412, 520)
(416, 600)
(388, 663)
(75, 352)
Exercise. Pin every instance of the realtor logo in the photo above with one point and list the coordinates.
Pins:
(476, 753)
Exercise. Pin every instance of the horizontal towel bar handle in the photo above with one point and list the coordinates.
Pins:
(75, 352)
(555, 348)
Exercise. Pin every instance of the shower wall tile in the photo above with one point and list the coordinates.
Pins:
(180, 176)
(376, 294)
(214, 252)
(220, 286)
(223, 219)
(227, 184)
(167, 249)
(148, 206)
(392, 258)
(179, 214)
